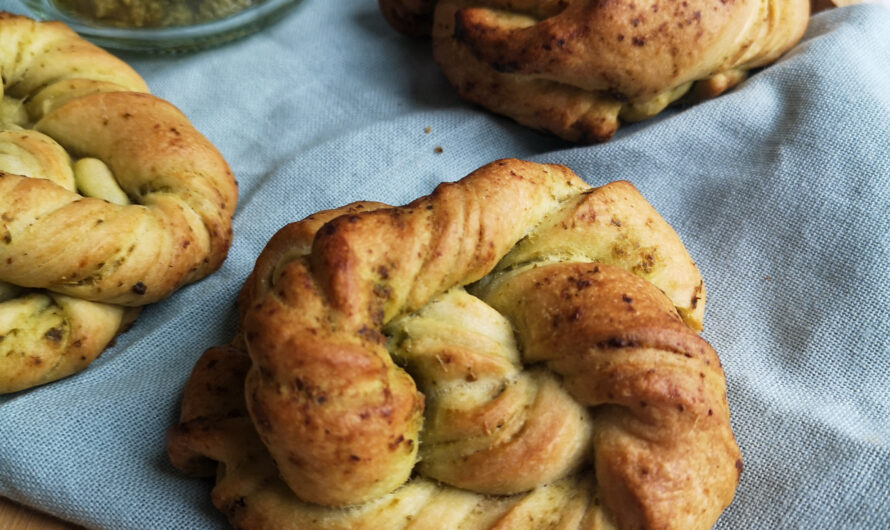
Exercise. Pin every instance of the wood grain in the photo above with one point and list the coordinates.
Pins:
(14, 516)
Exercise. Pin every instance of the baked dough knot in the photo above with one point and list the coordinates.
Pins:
(516, 350)
(576, 68)
(109, 200)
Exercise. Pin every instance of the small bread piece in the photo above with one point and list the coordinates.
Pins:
(576, 67)
(109, 200)
(515, 350)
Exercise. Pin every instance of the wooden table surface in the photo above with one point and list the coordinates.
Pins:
(16, 517)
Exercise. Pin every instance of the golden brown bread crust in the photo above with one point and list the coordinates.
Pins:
(108, 198)
(36, 55)
(574, 67)
(658, 389)
(612, 382)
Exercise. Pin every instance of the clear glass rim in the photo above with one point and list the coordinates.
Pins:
(172, 38)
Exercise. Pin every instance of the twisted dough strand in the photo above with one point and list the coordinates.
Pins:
(180, 233)
(42, 61)
(47, 336)
(483, 412)
(662, 440)
(574, 67)
(80, 141)
(340, 419)
(605, 379)
(215, 428)
(131, 255)
(667, 44)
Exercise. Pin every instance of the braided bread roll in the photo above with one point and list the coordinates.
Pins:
(575, 67)
(516, 350)
(109, 200)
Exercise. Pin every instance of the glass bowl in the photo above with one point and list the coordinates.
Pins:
(165, 39)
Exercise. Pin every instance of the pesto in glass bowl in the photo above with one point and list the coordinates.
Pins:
(161, 25)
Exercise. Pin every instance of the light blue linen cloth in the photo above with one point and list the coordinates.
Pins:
(780, 189)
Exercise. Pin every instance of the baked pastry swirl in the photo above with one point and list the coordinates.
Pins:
(576, 67)
(516, 350)
(109, 200)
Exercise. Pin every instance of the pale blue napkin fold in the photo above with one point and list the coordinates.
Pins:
(780, 189)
